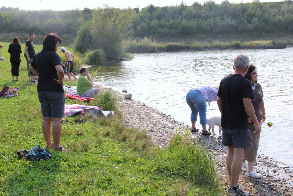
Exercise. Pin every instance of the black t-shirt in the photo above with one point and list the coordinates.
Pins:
(14, 50)
(31, 49)
(45, 63)
(232, 90)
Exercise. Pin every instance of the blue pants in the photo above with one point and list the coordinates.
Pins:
(197, 104)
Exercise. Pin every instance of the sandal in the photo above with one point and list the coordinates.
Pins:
(194, 130)
(205, 133)
(60, 149)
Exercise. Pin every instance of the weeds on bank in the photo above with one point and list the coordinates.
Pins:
(149, 46)
(107, 101)
(104, 158)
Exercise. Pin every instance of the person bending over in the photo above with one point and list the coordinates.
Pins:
(196, 100)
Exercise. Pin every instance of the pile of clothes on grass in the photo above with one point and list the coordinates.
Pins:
(35, 154)
(7, 92)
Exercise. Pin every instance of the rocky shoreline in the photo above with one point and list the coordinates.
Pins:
(277, 178)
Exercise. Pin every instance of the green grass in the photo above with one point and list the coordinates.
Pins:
(103, 158)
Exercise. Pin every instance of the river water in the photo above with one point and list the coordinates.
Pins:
(162, 81)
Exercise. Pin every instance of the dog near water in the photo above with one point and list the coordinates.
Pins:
(213, 122)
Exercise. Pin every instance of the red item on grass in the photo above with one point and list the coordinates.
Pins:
(79, 98)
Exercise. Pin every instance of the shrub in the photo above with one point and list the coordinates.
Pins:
(96, 57)
(184, 159)
(107, 101)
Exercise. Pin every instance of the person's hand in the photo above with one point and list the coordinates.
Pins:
(256, 128)
(59, 82)
(263, 117)
(249, 121)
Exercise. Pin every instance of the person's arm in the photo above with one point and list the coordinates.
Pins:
(60, 73)
(9, 49)
(262, 105)
(220, 105)
(33, 67)
(262, 111)
(89, 77)
(19, 49)
(249, 109)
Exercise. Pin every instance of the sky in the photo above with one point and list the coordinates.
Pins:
(80, 4)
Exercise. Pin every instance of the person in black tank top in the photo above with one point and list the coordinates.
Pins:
(50, 89)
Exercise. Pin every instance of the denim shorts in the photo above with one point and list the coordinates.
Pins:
(52, 104)
(239, 138)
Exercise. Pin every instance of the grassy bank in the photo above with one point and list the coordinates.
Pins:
(149, 46)
(103, 158)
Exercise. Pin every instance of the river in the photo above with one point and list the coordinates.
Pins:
(162, 81)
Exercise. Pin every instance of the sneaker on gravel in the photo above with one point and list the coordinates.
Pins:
(237, 191)
(253, 174)
(205, 133)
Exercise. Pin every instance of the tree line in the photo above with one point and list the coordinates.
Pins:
(104, 30)
(155, 22)
(212, 18)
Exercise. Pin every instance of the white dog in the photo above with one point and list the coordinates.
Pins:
(214, 121)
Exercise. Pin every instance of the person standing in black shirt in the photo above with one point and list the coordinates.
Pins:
(50, 89)
(29, 55)
(235, 104)
(15, 51)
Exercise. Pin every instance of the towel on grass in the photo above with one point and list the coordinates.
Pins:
(76, 109)
(71, 93)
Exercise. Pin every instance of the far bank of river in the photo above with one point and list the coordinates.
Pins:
(149, 46)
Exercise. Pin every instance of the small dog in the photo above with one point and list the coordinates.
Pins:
(214, 121)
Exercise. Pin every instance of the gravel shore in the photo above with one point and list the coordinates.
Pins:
(277, 178)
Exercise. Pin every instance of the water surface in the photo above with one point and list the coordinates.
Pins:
(162, 81)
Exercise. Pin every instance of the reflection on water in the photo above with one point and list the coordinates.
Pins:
(162, 81)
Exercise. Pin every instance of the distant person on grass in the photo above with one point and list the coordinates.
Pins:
(235, 103)
(196, 100)
(50, 89)
(29, 55)
(68, 64)
(15, 51)
(258, 104)
(85, 84)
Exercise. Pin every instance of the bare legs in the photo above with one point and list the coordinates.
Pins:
(250, 166)
(56, 132)
(55, 123)
(234, 162)
(193, 125)
(14, 78)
